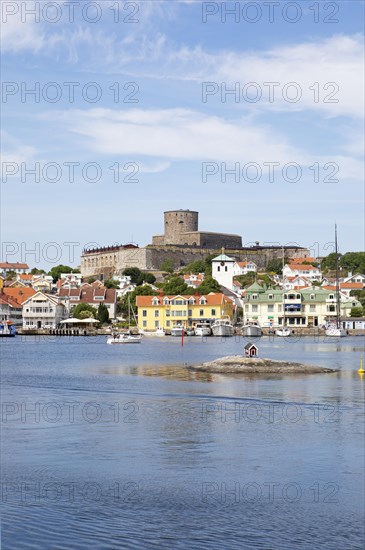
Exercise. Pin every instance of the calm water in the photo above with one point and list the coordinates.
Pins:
(103, 447)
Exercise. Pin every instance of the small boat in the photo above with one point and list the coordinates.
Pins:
(157, 332)
(203, 329)
(222, 327)
(334, 329)
(178, 330)
(284, 331)
(124, 338)
(190, 332)
(251, 328)
(7, 330)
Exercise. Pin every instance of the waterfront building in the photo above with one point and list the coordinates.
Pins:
(10, 310)
(42, 311)
(168, 312)
(314, 306)
(88, 294)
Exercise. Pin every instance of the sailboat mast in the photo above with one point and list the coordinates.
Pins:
(282, 277)
(338, 304)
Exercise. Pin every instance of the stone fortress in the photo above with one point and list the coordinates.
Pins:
(183, 243)
(181, 228)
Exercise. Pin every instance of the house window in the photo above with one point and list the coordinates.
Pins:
(254, 296)
(167, 323)
(201, 312)
(213, 312)
(157, 313)
(167, 313)
(203, 301)
(312, 308)
(144, 324)
(155, 302)
(247, 307)
(271, 296)
(225, 268)
(190, 312)
(219, 268)
(156, 324)
(331, 297)
(298, 296)
(144, 313)
(254, 309)
(312, 296)
(270, 307)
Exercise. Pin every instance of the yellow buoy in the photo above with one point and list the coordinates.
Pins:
(361, 370)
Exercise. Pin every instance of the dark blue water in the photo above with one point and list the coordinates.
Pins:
(119, 447)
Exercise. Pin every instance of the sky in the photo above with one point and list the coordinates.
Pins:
(113, 112)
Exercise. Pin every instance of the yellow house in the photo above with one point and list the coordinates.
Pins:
(170, 311)
(1, 282)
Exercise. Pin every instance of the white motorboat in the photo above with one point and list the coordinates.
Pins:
(203, 329)
(335, 330)
(284, 331)
(251, 328)
(158, 332)
(124, 338)
(222, 327)
(177, 331)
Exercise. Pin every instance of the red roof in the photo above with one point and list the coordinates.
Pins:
(19, 294)
(7, 265)
(303, 267)
(89, 295)
(354, 286)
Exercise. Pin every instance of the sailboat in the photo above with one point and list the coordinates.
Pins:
(284, 330)
(335, 329)
(126, 338)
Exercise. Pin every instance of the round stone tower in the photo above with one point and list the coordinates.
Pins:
(177, 222)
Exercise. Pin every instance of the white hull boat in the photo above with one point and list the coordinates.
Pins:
(251, 329)
(177, 331)
(336, 332)
(202, 329)
(222, 327)
(285, 332)
(158, 332)
(124, 339)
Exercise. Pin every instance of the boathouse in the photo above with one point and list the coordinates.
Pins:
(251, 350)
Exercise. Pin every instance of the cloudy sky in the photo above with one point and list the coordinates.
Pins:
(250, 112)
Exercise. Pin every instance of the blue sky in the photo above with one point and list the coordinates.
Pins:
(138, 106)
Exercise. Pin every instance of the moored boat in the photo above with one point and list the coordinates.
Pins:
(251, 328)
(222, 327)
(124, 338)
(177, 330)
(203, 329)
(284, 331)
(334, 329)
(7, 330)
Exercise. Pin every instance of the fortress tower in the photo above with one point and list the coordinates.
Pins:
(177, 222)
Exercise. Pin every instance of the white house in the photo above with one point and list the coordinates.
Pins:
(358, 278)
(193, 279)
(303, 270)
(222, 270)
(17, 267)
(291, 283)
(242, 268)
(42, 311)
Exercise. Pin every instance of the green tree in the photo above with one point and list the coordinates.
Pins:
(111, 283)
(134, 273)
(356, 311)
(81, 308)
(10, 275)
(246, 280)
(167, 265)
(175, 285)
(353, 261)
(91, 280)
(103, 314)
(275, 266)
(36, 271)
(329, 262)
(149, 278)
(58, 269)
(209, 285)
